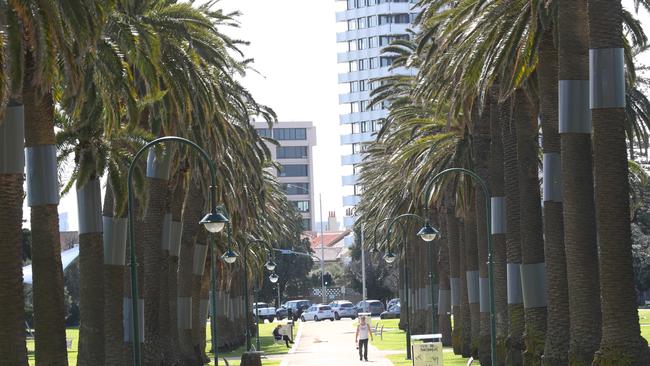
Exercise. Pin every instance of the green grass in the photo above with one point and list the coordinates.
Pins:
(266, 341)
(644, 320)
(71, 334)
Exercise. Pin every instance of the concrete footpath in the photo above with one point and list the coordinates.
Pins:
(328, 343)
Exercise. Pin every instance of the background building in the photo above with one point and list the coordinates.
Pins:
(369, 25)
(294, 154)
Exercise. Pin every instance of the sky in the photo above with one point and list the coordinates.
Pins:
(293, 44)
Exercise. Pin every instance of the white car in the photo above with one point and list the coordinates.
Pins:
(318, 313)
(344, 309)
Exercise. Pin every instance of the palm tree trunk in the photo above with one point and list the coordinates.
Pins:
(621, 342)
(451, 232)
(127, 300)
(91, 280)
(444, 289)
(516, 322)
(157, 179)
(533, 274)
(43, 199)
(577, 182)
(465, 312)
(472, 275)
(498, 229)
(192, 211)
(114, 260)
(480, 156)
(557, 337)
(173, 245)
(13, 349)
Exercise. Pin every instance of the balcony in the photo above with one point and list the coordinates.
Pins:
(352, 159)
(384, 29)
(351, 200)
(359, 54)
(350, 180)
(345, 119)
(356, 138)
(354, 97)
(386, 8)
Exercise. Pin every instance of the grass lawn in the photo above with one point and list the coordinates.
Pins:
(644, 319)
(72, 334)
(266, 341)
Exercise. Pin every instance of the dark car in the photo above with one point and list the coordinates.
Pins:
(392, 313)
(296, 307)
(374, 307)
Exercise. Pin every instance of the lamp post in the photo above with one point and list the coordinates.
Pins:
(230, 257)
(213, 222)
(270, 265)
(490, 258)
(427, 233)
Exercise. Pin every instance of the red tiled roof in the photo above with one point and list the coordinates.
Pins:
(329, 239)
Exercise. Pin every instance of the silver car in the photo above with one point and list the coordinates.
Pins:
(344, 309)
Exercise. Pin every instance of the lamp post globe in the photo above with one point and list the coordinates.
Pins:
(214, 222)
(428, 233)
(389, 257)
(270, 265)
(274, 278)
(229, 257)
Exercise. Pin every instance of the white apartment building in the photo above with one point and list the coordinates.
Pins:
(295, 156)
(369, 25)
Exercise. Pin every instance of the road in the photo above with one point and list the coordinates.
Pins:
(329, 343)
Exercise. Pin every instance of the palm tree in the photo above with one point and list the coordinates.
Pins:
(577, 185)
(557, 334)
(621, 342)
(453, 242)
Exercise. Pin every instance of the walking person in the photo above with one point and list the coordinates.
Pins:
(361, 338)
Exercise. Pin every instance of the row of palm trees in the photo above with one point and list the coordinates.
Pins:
(86, 83)
(509, 89)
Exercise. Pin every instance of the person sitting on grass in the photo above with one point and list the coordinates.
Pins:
(278, 336)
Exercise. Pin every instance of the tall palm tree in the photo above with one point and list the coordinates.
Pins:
(451, 231)
(621, 341)
(557, 335)
(577, 183)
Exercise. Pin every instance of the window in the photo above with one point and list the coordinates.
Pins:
(355, 127)
(263, 132)
(362, 85)
(301, 206)
(356, 169)
(358, 190)
(291, 152)
(293, 189)
(372, 21)
(352, 45)
(386, 61)
(401, 19)
(366, 126)
(362, 23)
(352, 4)
(383, 19)
(306, 224)
(293, 170)
(359, 148)
(363, 64)
(354, 87)
(372, 42)
(290, 133)
(353, 66)
(372, 63)
(352, 24)
(384, 40)
(362, 43)
(363, 105)
(354, 107)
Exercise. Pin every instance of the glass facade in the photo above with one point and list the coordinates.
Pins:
(292, 189)
(293, 170)
(291, 152)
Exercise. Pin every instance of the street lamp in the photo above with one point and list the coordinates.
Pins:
(389, 257)
(428, 234)
(274, 278)
(213, 222)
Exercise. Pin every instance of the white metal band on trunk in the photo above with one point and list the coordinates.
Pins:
(472, 287)
(89, 206)
(166, 234)
(606, 78)
(12, 141)
(184, 313)
(127, 320)
(114, 241)
(514, 283)
(175, 234)
(552, 165)
(158, 164)
(533, 284)
(574, 114)
(498, 215)
(203, 312)
(484, 290)
(444, 302)
(454, 284)
(42, 179)
(198, 263)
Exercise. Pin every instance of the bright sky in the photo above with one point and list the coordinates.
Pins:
(294, 46)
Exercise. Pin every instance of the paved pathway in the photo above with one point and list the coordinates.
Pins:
(329, 343)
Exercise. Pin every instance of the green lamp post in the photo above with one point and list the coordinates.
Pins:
(214, 222)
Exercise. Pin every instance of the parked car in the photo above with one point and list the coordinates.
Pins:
(392, 313)
(392, 302)
(317, 313)
(264, 311)
(374, 307)
(343, 309)
(296, 307)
